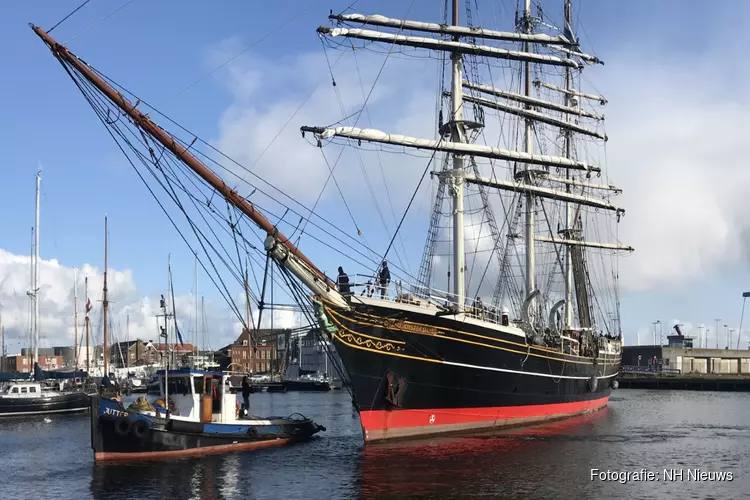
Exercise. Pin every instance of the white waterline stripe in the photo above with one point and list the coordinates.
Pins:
(549, 375)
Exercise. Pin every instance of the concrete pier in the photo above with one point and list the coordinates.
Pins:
(688, 381)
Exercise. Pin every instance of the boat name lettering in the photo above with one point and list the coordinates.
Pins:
(115, 413)
(411, 327)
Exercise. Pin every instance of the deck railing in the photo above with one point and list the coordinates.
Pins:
(398, 291)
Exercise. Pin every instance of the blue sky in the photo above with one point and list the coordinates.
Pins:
(157, 49)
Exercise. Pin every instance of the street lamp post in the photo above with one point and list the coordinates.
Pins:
(726, 333)
(745, 295)
(717, 333)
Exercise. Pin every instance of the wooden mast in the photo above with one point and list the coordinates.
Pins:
(145, 123)
(105, 302)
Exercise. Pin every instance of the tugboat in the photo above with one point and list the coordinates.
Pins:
(195, 414)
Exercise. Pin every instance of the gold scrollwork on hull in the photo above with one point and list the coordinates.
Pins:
(405, 326)
(378, 345)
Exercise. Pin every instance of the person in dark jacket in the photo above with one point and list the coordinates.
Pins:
(343, 282)
(384, 279)
(245, 394)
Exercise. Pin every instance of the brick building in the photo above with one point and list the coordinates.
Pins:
(138, 352)
(252, 360)
(23, 364)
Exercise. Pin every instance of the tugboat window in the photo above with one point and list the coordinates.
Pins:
(198, 385)
(32, 389)
(23, 390)
(177, 385)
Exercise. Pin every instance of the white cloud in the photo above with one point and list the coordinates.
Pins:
(56, 309)
(266, 93)
(675, 150)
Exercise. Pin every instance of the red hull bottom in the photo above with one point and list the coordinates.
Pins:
(380, 425)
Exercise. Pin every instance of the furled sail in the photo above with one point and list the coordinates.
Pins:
(533, 101)
(448, 46)
(544, 193)
(378, 20)
(460, 148)
(592, 97)
(535, 115)
(582, 243)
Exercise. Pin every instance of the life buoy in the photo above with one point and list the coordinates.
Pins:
(122, 426)
(140, 429)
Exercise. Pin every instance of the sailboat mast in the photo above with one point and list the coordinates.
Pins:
(36, 270)
(75, 315)
(529, 148)
(458, 172)
(105, 302)
(88, 349)
(569, 222)
(127, 341)
(30, 293)
(2, 344)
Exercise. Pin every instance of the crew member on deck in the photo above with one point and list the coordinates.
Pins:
(479, 308)
(343, 282)
(384, 279)
(245, 394)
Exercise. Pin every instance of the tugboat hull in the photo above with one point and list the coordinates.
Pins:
(120, 434)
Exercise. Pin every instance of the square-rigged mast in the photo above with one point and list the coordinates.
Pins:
(535, 180)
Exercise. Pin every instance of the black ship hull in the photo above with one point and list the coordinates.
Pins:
(45, 404)
(118, 434)
(416, 374)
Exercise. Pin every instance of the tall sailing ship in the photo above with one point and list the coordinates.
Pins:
(545, 342)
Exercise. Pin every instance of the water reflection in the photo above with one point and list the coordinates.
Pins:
(491, 464)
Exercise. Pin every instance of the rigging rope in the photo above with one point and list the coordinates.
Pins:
(100, 21)
(66, 17)
(243, 51)
(426, 169)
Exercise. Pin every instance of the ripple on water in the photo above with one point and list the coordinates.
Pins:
(651, 429)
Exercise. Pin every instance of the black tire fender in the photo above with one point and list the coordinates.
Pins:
(140, 429)
(122, 426)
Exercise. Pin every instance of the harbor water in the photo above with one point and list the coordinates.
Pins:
(641, 430)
